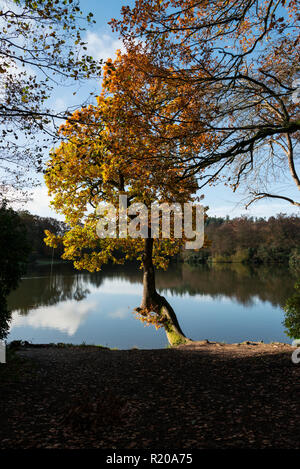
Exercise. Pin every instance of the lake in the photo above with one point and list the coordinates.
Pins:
(223, 302)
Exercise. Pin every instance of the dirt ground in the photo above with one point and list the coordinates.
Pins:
(203, 395)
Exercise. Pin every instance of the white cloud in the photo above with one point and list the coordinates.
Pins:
(119, 314)
(8, 4)
(270, 208)
(40, 204)
(102, 47)
(260, 209)
(65, 317)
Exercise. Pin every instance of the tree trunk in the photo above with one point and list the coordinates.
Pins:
(156, 303)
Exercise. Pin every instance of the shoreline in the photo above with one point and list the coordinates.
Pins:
(193, 345)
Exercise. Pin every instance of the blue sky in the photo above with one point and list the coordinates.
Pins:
(101, 44)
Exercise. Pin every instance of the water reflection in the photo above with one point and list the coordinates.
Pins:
(39, 289)
(238, 282)
(205, 298)
(65, 318)
(292, 313)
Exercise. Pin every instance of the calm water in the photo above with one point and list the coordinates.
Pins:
(227, 303)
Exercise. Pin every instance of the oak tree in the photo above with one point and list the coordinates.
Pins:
(106, 152)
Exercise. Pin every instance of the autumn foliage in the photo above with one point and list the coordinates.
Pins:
(235, 65)
(203, 92)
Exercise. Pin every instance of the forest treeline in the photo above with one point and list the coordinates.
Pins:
(243, 239)
(35, 227)
(251, 240)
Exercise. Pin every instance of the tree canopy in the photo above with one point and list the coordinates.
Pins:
(235, 65)
(41, 46)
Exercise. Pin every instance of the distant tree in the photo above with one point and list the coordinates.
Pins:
(41, 46)
(35, 227)
(258, 240)
(292, 314)
(294, 260)
(14, 250)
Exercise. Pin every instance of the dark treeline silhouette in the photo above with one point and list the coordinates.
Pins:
(14, 251)
(35, 227)
(248, 239)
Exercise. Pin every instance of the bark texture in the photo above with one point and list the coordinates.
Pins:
(153, 301)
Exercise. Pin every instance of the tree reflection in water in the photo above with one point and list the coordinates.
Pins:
(241, 283)
(38, 289)
(292, 314)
